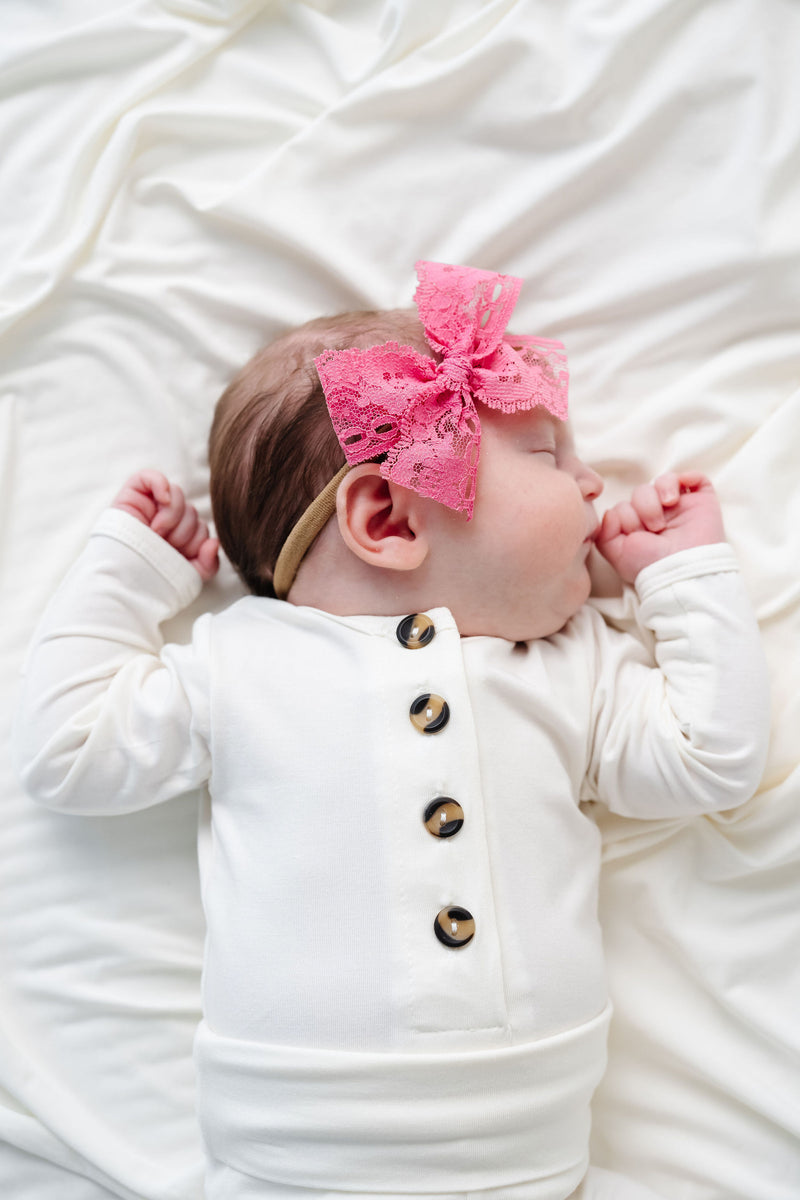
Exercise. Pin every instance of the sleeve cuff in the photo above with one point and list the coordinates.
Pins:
(170, 563)
(685, 564)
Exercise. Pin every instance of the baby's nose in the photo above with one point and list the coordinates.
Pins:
(590, 482)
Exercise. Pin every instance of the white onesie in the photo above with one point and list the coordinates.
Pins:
(403, 990)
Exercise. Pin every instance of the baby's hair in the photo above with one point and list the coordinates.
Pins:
(272, 446)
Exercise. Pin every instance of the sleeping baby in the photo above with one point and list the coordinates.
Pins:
(404, 991)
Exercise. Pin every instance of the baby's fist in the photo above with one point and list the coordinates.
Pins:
(152, 499)
(675, 512)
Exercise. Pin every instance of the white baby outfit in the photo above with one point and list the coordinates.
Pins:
(345, 1048)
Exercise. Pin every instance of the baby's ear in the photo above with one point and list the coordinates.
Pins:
(381, 521)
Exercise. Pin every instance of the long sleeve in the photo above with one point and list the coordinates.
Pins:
(109, 719)
(692, 735)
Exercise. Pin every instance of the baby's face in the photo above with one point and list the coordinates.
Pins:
(518, 569)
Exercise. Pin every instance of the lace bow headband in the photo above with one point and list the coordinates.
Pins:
(391, 400)
(421, 414)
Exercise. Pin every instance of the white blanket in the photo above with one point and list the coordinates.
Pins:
(182, 179)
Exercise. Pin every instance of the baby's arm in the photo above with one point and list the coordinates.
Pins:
(152, 499)
(691, 735)
(109, 718)
(677, 512)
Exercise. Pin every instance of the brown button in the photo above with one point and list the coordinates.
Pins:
(416, 631)
(429, 713)
(443, 817)
(454, 927)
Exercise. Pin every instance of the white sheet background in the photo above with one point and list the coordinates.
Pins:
(181, 180)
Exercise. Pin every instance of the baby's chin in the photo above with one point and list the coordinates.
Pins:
(527, 628)
(544, 623)
(524, 618)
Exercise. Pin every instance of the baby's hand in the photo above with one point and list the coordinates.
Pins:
(153, 500)
(674, 513)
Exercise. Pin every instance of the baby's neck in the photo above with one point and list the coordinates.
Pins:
(333, 580)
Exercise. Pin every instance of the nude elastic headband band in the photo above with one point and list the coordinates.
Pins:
(304, 533)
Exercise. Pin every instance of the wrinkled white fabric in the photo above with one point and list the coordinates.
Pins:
(182, 179)
(598, 1184)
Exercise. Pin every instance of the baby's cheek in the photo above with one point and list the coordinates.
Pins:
(563, 529)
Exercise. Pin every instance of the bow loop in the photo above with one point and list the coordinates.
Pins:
(421, 414)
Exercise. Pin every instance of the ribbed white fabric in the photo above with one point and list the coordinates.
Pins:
(511, 1117)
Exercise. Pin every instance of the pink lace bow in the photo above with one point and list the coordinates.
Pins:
(421, 413)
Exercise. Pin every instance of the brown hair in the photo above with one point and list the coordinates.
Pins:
(272, 446)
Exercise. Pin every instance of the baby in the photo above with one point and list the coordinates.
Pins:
(404, 991)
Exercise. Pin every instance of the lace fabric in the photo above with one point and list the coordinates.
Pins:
(421, 413)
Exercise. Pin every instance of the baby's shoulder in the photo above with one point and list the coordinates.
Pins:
(586, 627)
(251, 610)
(599, 636)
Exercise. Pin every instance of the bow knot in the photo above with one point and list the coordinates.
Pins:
(455, 372)
(390, 400)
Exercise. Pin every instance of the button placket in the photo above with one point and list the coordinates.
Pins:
(443, 817)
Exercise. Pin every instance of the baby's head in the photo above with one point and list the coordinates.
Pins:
(469, 496)
(272, 446)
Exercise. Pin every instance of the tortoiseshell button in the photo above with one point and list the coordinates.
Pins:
(454, 927)
(416, 631)
(429, 713)
(443, 817)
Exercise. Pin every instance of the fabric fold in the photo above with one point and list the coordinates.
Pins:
(467, 1121)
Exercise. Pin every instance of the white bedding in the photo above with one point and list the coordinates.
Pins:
(182, 179)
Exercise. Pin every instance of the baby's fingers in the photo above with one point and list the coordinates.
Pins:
(192, 545)
(169, 516)
(628, 517)
(668, 487)
(672, 484)
(141, 495)
(154, 483)
(206, 561)
(609, 526)
(185, 532)
(647, 504)
(618, 521)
